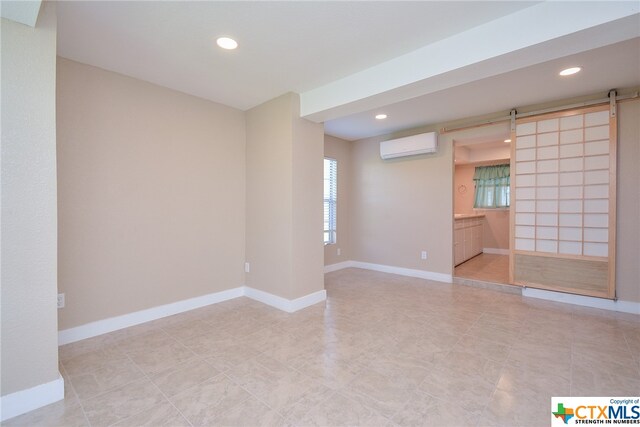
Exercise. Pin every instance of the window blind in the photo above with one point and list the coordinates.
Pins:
(330, 199)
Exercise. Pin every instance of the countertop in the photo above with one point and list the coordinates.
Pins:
(464, 216)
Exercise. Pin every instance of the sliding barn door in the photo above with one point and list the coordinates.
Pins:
(563, 201)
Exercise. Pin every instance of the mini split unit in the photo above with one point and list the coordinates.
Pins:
(424, 143)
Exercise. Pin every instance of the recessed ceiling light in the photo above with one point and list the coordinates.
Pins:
(227, 43)
(507, 140)
(570, 71)
(381, 116)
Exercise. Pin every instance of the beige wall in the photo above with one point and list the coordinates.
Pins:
(284, 199)
(151, 195)
(496, 223)
(402, 207)
(340, 150)
(29, 354)
(628, 203)
(269, 191)
(308, 174)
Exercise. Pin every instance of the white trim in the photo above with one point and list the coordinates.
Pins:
(23, 401)
(267, 298)
(495, 251)
(308, 300)
(605, 304)
(338, 266)
(104, 326)
(422, 274)
(284, 304)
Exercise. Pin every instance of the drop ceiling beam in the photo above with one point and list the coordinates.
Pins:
(24, 12)
(540, 33)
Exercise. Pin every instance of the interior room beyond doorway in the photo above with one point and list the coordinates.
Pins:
(481, 206)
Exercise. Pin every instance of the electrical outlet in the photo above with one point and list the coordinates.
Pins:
(338, 251)
(247, 267)
(60, 300)
(423, 255)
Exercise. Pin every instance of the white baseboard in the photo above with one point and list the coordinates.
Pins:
(104, 326)
(308, 300)
(601, 303)
(422, 274)
(284, 304)
(23, 401)
(495, 251)
(604, 304)
(338, 266)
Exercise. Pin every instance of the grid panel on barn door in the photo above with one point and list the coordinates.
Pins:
(525, 187)
(596, 184)
(571, 155)
(547, 181)
(562, 185)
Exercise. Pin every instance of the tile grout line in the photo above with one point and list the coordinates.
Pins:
(244, 400)
(148, 378)
(329, 395)
(170, 402)
(417, 387)
(160, 391)
(289, 367)
(571, 367)
(76, 394)
(224, 373)
(633, 357)
(495, 387)
(109, 390)
(358, 374)
(198, 357)
(144, 376)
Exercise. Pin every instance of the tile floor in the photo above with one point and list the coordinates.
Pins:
(385, 350)
(486, 267)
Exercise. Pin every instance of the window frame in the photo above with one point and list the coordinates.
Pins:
(332, 215)
(506, 190)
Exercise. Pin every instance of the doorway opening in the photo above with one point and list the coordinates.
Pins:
(482, 203)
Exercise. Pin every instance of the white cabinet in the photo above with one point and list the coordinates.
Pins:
(467, 237)
(476, 245)
(458, 245)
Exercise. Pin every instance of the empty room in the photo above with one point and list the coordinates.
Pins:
(323, 213)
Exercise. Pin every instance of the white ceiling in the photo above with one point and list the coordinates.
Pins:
(283, 46)
(348, 56)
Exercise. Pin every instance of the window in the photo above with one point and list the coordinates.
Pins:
(330, 199)
(492, 187)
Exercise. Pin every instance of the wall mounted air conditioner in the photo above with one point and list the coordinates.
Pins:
(424, 143)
